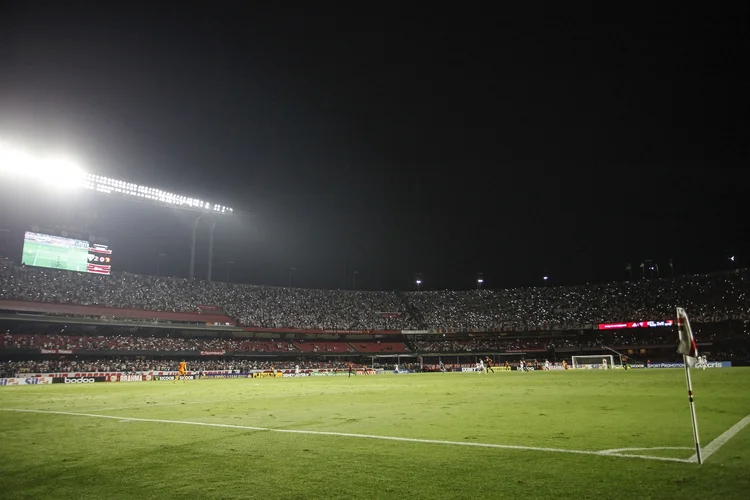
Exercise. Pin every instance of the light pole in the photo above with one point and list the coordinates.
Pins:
(291, 270)
(479, 283)
(354, 280)
(158, 263)
(229, 264)
(211, 249)
(210, 246)
(545, 278)
(192, 248)
(419, 282)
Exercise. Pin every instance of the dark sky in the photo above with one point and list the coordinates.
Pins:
(391, 142)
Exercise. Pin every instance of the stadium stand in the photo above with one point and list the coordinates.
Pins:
(134, 343)
(344, 323)
(320, 347)
(381, 347)
(712, 297)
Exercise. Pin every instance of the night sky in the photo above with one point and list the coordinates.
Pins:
(517, 144)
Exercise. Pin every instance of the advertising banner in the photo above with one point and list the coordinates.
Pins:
(25, 381)
(636, 324)
(710, 364)
(56, 351)
(213, 353)
(70, 374)
(78, 380)
(170, 377)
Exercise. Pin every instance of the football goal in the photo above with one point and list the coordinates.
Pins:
(598, 361)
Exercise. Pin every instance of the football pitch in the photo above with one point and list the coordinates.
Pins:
(584, 434)
(54, 256)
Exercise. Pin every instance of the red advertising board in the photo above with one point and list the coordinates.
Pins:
(636, 324)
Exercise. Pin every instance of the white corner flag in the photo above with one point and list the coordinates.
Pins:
(689, 350)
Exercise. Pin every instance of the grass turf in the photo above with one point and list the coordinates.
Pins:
(64, 456)
(56, 257)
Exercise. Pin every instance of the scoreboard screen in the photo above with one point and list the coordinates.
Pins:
(56, 252)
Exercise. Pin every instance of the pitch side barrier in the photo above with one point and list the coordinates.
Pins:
(25, 381)
(144, 376)
(710, 364)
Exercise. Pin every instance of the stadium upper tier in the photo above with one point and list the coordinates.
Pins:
(707, 298)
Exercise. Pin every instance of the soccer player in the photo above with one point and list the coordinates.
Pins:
(480, 366)
(546, 364)
(488, 365)
(351, 369)
(296, 370)
(442, 366)
(702, 362)
(604, 363)
(521, 366)
(181, 371)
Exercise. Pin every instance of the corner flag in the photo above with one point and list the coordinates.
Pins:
(687, 346)
(689, 350)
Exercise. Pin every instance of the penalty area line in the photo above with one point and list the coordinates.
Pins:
(351, 435)
(720, 441)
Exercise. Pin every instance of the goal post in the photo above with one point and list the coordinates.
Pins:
(597, 361)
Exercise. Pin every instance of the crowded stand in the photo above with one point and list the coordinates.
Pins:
(382, 347)
(257, 306)
(479, 345)
(319, 347)
(186, 344)
(134, 343)
(714, 297)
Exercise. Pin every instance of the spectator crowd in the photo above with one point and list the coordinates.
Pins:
(721, 295)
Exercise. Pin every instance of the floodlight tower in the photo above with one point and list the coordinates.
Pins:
(63, 173)
(206, 210)
(196, 223)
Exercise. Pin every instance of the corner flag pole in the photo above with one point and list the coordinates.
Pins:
(696, 438)
(689, 350)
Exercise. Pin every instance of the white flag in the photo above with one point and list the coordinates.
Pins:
(686, 346)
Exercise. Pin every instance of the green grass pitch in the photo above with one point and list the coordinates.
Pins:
(561, 422)
(43, 255)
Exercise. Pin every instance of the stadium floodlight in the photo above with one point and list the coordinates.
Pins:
(63, 172)
(109, 186)
(57, 171)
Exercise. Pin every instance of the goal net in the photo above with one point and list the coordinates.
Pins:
(599, 361)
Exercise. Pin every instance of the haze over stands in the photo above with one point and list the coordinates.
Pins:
(708, 298)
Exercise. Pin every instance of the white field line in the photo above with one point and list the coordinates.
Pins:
(350, 435)
(720, 441)
(620, 450)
